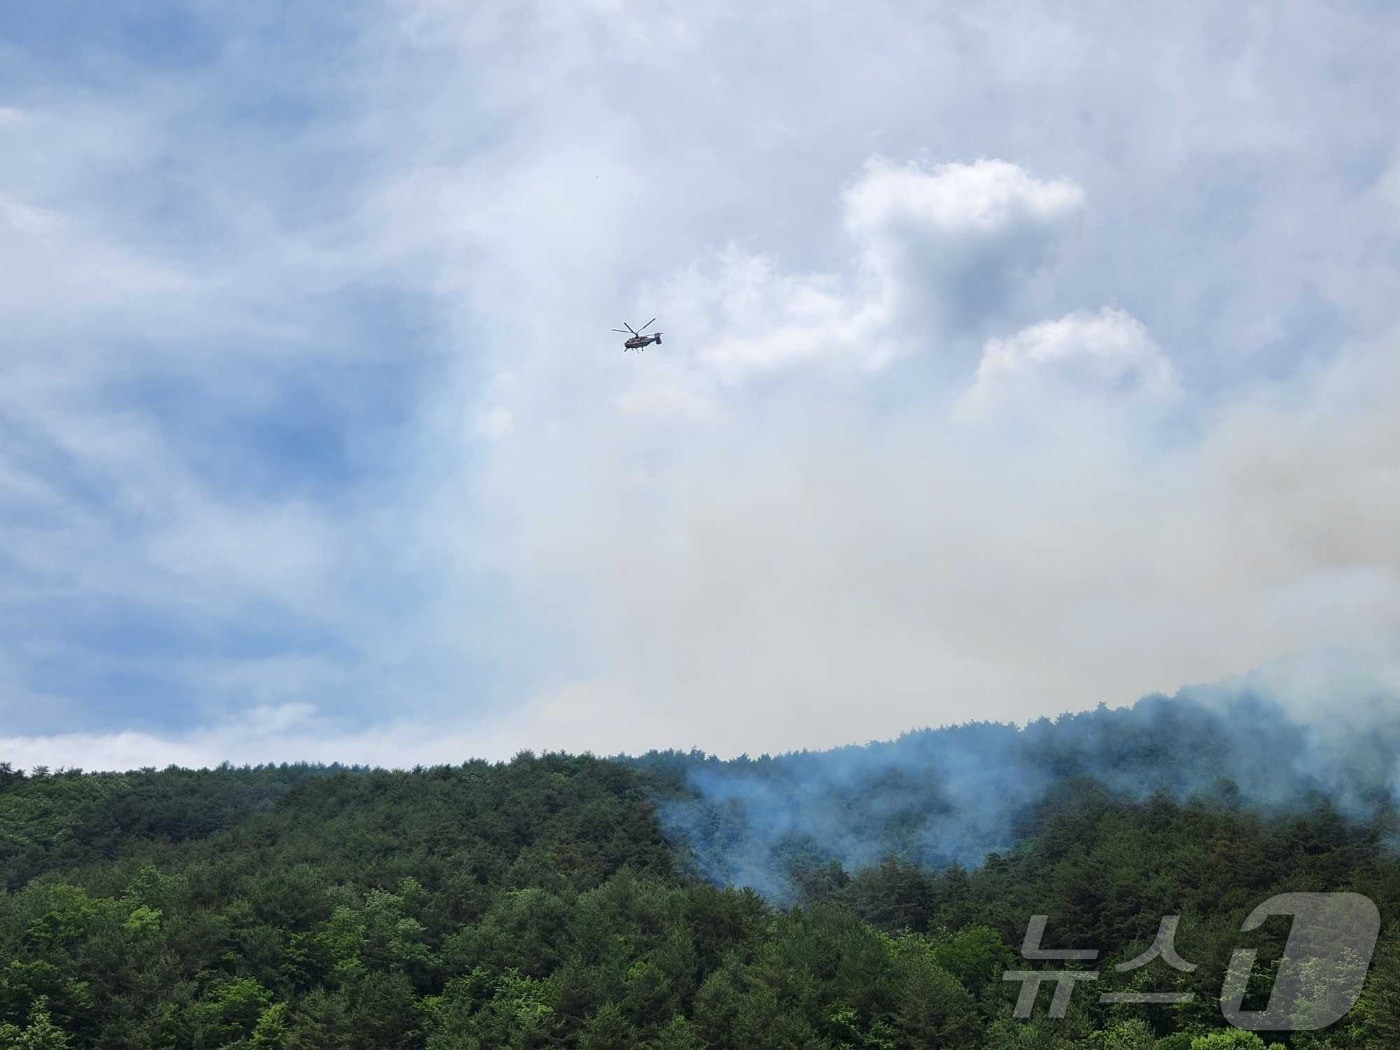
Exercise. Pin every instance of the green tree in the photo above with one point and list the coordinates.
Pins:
(1233, 1039)
(39, 1034)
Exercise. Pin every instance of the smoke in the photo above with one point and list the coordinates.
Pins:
(1323, 727)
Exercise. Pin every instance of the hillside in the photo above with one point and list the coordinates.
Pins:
(580, 902)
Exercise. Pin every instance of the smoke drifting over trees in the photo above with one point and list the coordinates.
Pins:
(953, 795)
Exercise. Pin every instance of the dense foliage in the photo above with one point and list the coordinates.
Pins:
(537, 904)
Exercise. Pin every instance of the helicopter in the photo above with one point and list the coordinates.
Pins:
(637, 341)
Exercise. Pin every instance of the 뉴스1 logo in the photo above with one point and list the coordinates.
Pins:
(1319, 978)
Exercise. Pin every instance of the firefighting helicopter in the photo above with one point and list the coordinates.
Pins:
(637, 341)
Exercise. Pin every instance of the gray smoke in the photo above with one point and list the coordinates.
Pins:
(1321, 729)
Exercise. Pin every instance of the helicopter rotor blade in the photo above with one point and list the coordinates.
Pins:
(620, 330)
(646, 326)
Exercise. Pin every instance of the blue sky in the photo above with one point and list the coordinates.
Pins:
(1017, 358)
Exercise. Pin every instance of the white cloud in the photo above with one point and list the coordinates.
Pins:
(983, 200)
(953, 246)
(949, 241)
(1107, 354)
(743, 315)
(73, 274)
(267, 550)
(285, 733)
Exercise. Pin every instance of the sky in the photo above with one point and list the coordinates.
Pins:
(1018, 357)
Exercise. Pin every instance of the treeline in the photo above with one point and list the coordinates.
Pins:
(537, 903)
(67, 818)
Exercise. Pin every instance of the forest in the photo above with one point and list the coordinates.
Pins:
(576, 901)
